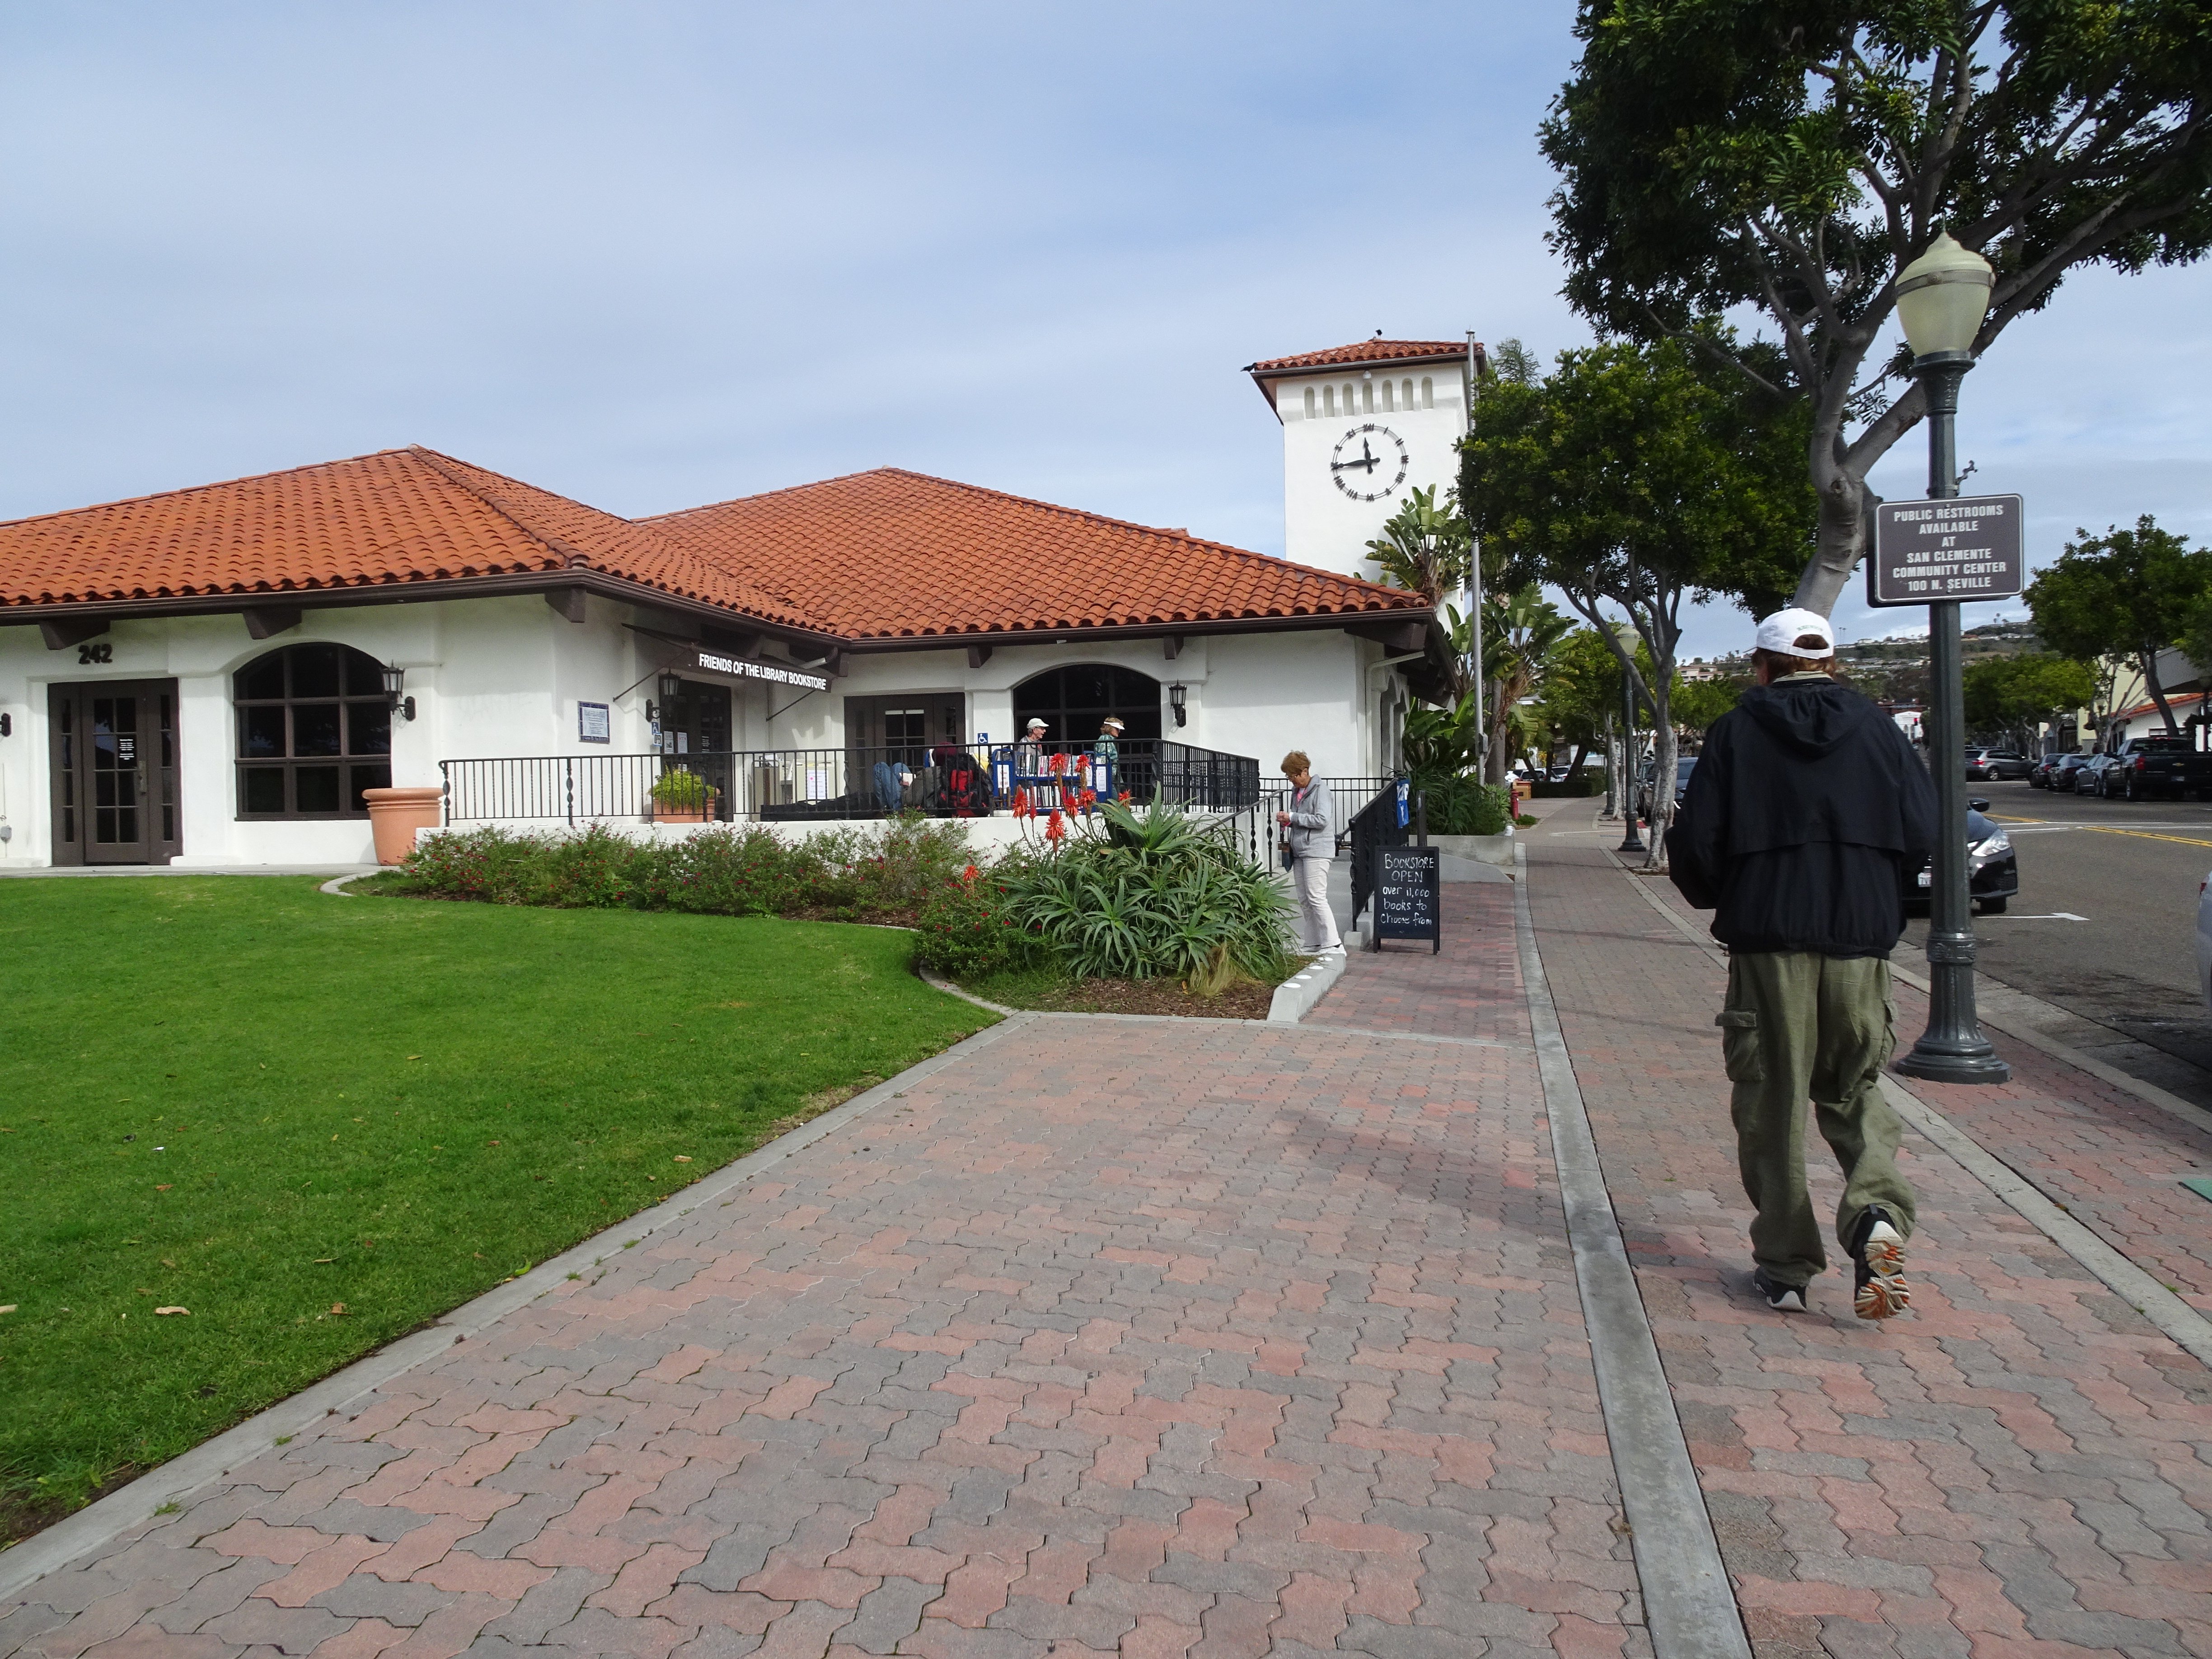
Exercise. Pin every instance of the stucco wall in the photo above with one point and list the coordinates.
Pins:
(1322, 525)
(503, 677)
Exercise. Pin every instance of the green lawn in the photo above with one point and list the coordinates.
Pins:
(247, 1098)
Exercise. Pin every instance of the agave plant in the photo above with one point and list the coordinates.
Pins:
(1158, 895)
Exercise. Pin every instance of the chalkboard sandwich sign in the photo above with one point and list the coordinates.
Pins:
(1408, 880)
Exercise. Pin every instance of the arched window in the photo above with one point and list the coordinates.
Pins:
(1406, 390)
(1428, 393)
(1073, 701)
(1309, 403)
(1327, 399)
(314, 729)
(1386, 397)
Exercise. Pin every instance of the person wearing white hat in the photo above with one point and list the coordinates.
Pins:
(1805, 802)
(1029, 753)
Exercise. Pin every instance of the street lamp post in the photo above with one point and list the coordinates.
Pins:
(1630, 843)
(1942, 298)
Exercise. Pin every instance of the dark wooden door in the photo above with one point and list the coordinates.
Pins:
(114, 772)
(906, 727)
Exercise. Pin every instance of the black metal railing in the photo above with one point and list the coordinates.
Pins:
(1384, 821)
(941, 780)
(1346, 797)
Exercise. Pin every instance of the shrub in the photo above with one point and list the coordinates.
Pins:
(967, 927)
(841, 874)
(1152, 897)
(1459, 804)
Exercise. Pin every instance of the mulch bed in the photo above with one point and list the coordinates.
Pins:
(1159, 996)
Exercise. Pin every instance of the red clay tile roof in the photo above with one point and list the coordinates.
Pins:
(1364, 351)
(896, 555)
(399, 516)
(884, 555)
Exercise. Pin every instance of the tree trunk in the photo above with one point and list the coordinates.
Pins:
(1842, 542)
(2149, 657)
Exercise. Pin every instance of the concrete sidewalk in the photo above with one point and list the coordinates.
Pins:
(1161, 1337)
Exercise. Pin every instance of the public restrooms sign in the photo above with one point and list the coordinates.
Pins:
(1967, 548)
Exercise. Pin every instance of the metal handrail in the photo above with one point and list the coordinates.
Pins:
(942, 780)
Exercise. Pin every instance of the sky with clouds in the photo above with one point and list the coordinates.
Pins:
(654, 255)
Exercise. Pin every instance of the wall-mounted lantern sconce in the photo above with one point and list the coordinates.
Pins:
(1175, 701)
(7, 726)
(394, 680)
(671, 687)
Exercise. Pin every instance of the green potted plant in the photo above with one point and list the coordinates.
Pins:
(683, 797)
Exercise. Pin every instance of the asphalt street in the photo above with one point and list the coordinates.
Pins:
(2104, 926)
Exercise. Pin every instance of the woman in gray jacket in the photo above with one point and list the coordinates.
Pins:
(1304, 825)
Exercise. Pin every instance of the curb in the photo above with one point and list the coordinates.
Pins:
(1295, 997)
(109, 1517)
(1689, 1601)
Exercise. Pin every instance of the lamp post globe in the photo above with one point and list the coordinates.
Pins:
(1942, 300)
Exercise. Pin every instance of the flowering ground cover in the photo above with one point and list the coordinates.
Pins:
(315, 1122)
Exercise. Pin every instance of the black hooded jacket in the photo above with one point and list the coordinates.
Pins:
(1804, 802)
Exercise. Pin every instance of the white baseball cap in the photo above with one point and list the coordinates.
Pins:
(1782, 630)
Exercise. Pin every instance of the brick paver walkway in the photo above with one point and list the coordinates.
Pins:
(2020, 1468)
(1157, 1337)
(1182, 1337)
(2112, 1160)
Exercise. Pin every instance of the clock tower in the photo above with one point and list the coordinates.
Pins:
(1363, 426)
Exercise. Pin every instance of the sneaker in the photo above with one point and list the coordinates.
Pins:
(1788, 1299)
(1879, 1289)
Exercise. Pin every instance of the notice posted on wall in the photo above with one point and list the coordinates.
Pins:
(1967, 548)
(594, 723)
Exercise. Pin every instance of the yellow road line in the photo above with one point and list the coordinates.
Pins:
(2142, 834)
(2000, 818)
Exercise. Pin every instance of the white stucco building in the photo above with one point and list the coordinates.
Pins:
(211, 677)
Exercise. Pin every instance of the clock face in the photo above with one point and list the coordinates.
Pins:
(1369, 462)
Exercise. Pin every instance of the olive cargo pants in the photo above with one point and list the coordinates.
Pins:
(1798, 1027)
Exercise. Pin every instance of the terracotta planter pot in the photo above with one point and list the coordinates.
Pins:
(394, 815)
(661, 814)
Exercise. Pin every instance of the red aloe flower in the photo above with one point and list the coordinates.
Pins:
(1055, 829)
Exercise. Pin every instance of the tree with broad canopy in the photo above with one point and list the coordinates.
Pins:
(1632, 478)
(2127, 593)
(1793, 155)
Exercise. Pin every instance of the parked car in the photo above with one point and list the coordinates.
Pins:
(2089, 781)
(1985, 763)
(2047, 770)
(2143, 768)
(1992, 871)
(2072, 768)
(1684, 765)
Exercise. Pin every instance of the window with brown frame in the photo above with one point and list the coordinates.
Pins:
(314, 729)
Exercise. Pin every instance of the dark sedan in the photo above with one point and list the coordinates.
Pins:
(2056, 772)
(1992, 873)
(1684, 765)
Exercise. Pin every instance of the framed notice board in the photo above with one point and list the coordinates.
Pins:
(1405, 895)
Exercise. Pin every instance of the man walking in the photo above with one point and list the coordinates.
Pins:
(1805, 806)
